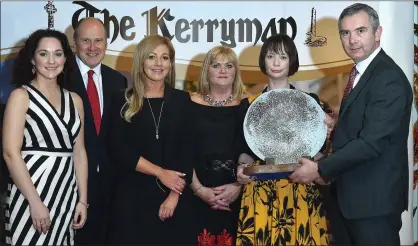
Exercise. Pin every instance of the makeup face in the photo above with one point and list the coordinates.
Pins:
(221, 72)
(277, 64)
(158, 64)
(49, 58)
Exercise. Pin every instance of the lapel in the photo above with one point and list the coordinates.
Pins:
(361, 83)
(107, 97)
(79, 88)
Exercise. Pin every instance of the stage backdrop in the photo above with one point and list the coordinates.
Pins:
(196, 27)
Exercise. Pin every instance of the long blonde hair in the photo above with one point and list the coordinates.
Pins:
(134, 96)
(221, 52)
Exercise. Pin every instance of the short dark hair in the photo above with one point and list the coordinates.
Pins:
(22, 67)
(358, 7)
(275, 43)
(75, 34)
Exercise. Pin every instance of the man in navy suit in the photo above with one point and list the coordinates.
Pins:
(368, 168)
(95, 83)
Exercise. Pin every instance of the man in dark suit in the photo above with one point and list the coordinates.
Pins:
(368, 168)
(95, 83)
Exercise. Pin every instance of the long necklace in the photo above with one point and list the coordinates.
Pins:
(153, 117)
(220, 103)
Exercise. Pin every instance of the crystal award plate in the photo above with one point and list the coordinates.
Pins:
(281, 126)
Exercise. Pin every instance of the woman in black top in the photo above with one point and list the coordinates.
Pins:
(152, 152)
(219, 118)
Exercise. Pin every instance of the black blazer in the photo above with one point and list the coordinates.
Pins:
(369, 164)
(112, 82)
(178, 137)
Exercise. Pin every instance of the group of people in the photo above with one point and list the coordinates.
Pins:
(94, 162)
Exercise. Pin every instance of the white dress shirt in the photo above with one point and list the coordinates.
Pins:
(362, 66)
(97, 77)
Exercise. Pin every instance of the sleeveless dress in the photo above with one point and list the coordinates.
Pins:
(49, 137)
(278, 212)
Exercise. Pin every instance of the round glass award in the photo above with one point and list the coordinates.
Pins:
(281, 126)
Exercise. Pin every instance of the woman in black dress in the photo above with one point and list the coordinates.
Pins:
(219, 117)
(152, 152)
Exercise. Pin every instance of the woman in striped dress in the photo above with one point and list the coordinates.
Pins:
(44, 146)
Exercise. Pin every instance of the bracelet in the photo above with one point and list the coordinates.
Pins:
(87, 205)
(195, 191)
(159, 173)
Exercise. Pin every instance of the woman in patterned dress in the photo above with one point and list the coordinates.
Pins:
(44, 146)
(277, 212)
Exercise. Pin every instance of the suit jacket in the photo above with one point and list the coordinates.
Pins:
(369, 164)
(98, 183)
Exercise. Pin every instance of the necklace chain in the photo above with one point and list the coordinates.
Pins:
(153, 117)
(220, 103)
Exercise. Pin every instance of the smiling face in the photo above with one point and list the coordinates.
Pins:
(49, 58)
(357, 36)
(221, 72)
(90, 42)
(158, 64)
(277, 64)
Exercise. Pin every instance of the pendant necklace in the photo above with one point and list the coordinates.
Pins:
(153, 117)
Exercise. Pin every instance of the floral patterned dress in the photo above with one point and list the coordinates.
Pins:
(277, 212)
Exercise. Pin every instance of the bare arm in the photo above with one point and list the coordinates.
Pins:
(80, 155)
(195, 185)
(13, 133)
(81, 168)
(13, 128)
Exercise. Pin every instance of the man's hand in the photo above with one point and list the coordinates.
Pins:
(307, 173)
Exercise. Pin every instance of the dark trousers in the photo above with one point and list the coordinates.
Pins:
(95, 229)
(379, 230)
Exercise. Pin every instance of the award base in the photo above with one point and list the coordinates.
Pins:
(270, 170)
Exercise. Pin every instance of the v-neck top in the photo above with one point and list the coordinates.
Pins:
(45, 128)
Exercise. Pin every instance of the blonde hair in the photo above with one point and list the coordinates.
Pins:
(135, 95)
(221, 52)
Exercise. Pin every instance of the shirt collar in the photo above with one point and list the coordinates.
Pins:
(362, 66)
(84, 68)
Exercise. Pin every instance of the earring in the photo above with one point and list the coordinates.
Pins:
(33, 69)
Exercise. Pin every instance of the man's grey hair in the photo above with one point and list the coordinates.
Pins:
(356, 8)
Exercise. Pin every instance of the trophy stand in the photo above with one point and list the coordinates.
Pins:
(271, 170)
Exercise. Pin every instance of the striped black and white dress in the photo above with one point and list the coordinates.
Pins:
(47, 150)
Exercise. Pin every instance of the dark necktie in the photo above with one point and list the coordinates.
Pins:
(94, 101)
(350, 83)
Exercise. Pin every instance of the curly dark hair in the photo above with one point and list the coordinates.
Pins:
(22, 67)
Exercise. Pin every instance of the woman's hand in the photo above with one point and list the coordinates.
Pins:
(80, 215)
(244, 160)
(40, 217)
(206, 193)
(172, 180)
(241, 177)
(225, 195)
(168, 206)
